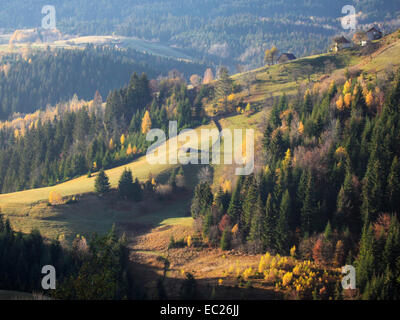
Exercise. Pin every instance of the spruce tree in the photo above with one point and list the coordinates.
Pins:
(269, 226)
(102, 184)
(202, 200)
(125, 184)
(208, 223)
(393, 186)
(391, 251)
(257, 219)
(223, 85)
(283, 230)
(235, 205)
(372, 193)
(137, 191)
(226, 239)
(249, 205)
(365, 263)
(348, 206)
(309, 206)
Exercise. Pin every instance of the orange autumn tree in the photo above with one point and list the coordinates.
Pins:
(111, 144)
(347, 100)
(122, 140)
(300, 129)
(129, 150)
(340, 103)
(369, 99)
(318, 251)
(347, 87)
(146, 122)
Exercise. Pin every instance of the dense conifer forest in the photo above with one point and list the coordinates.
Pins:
(32, 81)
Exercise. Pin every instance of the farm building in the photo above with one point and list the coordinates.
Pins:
(285, 57)
(374, 34)
(341, 43)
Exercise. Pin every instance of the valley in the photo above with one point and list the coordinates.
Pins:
(151, 223)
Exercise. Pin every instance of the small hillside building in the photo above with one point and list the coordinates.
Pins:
(361, 38)
(374, 34)
(285, 57)
(341, 43)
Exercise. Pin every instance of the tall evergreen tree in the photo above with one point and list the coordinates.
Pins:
(393, 186)
(283, 230)
(372, 193)
(365, 263)
(269, 225)
(308, 209)
(102, 184)
(235, 205)
(125, 184)
(348, 207)
(256, 225)
(248, 204)
(202, 200)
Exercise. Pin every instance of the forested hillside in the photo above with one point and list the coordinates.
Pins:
(234, 32)
(98, 268)
(35, 80)
(74, 142)
(330, 185)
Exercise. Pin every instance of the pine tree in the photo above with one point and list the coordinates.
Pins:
(222, 200)
(394, 97)
(307, 104)
(235, 205)
(269, 225)
(309, 206)
(224, 85)
(208, 223)
(257, 219)
(248, 205)
(391, 251)
(125, 184)
(328, 232)
(102, 184)
(348, 207)
(136, 191)
(365, 263)
(283, 231)
(372, 192)
(226, 239)
(393, 186)
(202, 200)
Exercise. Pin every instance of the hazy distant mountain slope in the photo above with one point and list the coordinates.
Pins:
(233, 31)
(48, 77)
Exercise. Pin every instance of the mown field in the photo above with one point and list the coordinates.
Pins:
(140, 45)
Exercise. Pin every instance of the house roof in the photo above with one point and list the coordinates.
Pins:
(374, 29)
(341, 40)
(360, 35)
(289, 56)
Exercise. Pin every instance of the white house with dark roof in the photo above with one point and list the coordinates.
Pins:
(340, 43)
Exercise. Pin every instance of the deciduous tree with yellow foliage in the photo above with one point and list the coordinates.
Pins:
(146, 122)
